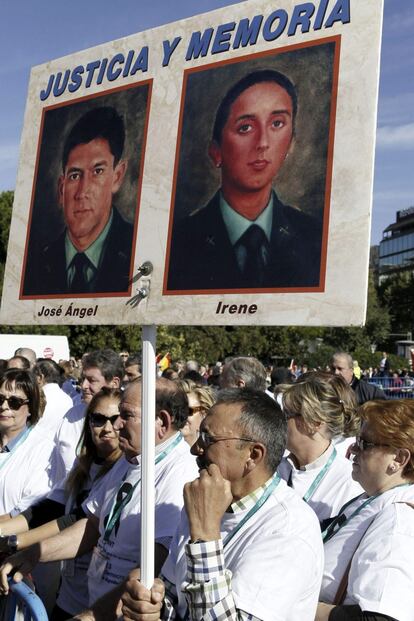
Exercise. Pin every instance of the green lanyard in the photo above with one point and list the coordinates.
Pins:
(15, 447)
(320, 476)
(116, 511)
(260, 502)
(340, 521)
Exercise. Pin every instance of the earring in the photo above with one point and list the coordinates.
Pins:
(393, 468)
(218, 164)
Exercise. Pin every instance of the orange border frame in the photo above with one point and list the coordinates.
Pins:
(326, 210)
(148, 82)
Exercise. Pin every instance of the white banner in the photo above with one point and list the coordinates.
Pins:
(233, 152)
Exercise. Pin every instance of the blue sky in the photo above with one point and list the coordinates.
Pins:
(32, 33)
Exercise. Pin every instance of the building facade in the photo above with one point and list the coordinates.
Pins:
(396, 249)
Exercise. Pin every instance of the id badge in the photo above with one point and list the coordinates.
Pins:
(98, 564)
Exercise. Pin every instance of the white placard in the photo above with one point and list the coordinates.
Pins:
(213, 140)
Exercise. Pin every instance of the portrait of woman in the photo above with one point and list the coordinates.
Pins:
(245, 235)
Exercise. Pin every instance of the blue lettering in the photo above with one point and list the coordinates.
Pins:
(111, 74)
(141, 63)
(301, 16)
(199, 44)
(76, 79)
(101, 73)
(340, 13)
(44, 94)
(128, 63)
(90, 68)
(60, 86)
(169, 48)
(222, 38)
(268, 33)
(320, 16)
(246, 32)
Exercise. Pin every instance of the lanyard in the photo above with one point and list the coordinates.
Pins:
(318, 480)
(117, 509)
(260, 502)
(340, 521)
(15, 447)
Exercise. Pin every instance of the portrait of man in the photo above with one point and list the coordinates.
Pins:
(246, 236)
(93, 251)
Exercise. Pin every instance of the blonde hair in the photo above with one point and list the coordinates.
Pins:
(323, 398)
(393, 423)
(205, 394)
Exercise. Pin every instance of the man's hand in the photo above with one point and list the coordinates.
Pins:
(140, 604)
(22, 563)
(206, 500)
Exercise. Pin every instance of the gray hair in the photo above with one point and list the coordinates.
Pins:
(249, 370)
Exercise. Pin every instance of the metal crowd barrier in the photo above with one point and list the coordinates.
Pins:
(23, 604)
(401, 388)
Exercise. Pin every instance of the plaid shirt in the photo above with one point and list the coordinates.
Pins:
(208, 586)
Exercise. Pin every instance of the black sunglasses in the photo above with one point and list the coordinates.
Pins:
(99, 420)
(15, 403)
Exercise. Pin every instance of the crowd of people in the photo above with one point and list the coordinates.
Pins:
(280, 493)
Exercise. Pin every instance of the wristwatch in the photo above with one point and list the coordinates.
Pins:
(12, 543)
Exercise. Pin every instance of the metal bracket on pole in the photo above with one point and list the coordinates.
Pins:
(143, 292)
(149, 335)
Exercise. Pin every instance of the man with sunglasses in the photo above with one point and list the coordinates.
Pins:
(247, 547)
(113, 513)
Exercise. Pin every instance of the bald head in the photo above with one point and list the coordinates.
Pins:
(27, 353)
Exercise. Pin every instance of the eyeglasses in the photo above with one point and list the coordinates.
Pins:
(195, 409)
(206, 440)
(99, 420)
(363, 445)
(15, 403)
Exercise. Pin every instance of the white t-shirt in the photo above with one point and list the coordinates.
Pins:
(66, 441)
(335, 488)
(343, 443)
(73, 593)
(276, 559)
(25, 476)
(115, 556)
(382, 565)
(57, 404)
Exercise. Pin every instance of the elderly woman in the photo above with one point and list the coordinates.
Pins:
(24, 452)
(369, 547)
(319, 408)
(200, 400)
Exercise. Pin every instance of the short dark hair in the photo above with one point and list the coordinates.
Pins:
(107, 361)
(51, 371)
(256, 77)
(103, 123)
(134, 359)
(171, 397)
(261, 419)
(26, 382)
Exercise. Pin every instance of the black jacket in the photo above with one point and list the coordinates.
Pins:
(46, 268)
(202, 256)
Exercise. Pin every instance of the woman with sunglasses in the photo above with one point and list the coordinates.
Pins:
(200, 400)
(319, 408)
(98, 451)
(24, 451)
(369, 547)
